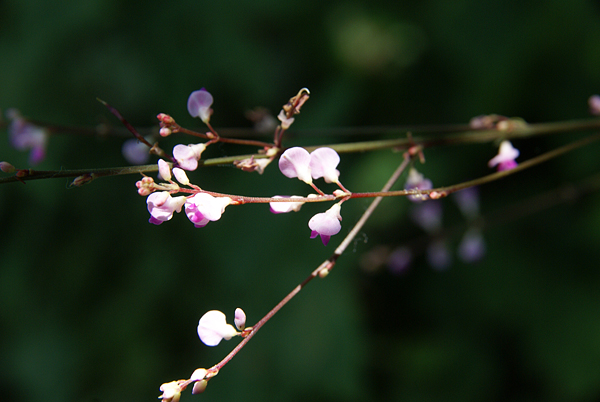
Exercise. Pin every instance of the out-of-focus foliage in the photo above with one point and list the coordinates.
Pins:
(96, 304)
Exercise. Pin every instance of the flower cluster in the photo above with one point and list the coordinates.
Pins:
(322, 162)
(200, 208)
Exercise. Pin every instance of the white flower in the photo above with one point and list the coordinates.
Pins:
(213, 327)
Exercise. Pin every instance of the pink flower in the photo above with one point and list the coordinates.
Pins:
(164, 170)
(25, 136)
(594, 104)
(295, 162)
(240, 319)
(416, 181)
(323, 163)
(285, 121)
(326, 224)
(187, 156)
(428, 215)
(467, 201)
(213, 327)
(161, 206)
(181, 176)
(285, 207)
(203, 208)
(505, 159)
(199, 104)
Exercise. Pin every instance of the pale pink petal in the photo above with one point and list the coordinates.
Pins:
(323, 163)
(199, 104)
(326, 224)
(295, 162)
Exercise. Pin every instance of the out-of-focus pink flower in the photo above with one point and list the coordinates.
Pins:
(203, 208)
(285, 207)
(6, 167)
(25, 136)
(472, 246)
(326, 224)
(135, 152)
(295, 162)
(428, 215)
(505, 159)
(187, 156)
(213, 327)
(416, 181)
(285, 121)
(594, 104)
(199, 104)
(467, 201)
(323, 163)
(161, 206)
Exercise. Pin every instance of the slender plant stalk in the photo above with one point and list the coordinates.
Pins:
(322, 270)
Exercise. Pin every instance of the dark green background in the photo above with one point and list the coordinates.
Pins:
(96, 304)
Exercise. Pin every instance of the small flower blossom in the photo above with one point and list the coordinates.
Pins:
(199, 387)
(594, 104)
(213, 327)
(285, 207)
(285, 121)
(467, 201)
(416, 181)
(295, 162)
(164, 170)
(326, 224)
(203, 208)
(199, 104)
(505, 160)
(161, 206)
(198, 374)
(240, 319)
(181, 176)
(187, 156)
(171, 391)
(135, 152)
(323, 163)
(25, 136)
(428, 215)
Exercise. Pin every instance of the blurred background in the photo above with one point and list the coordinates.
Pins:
(96, 304)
